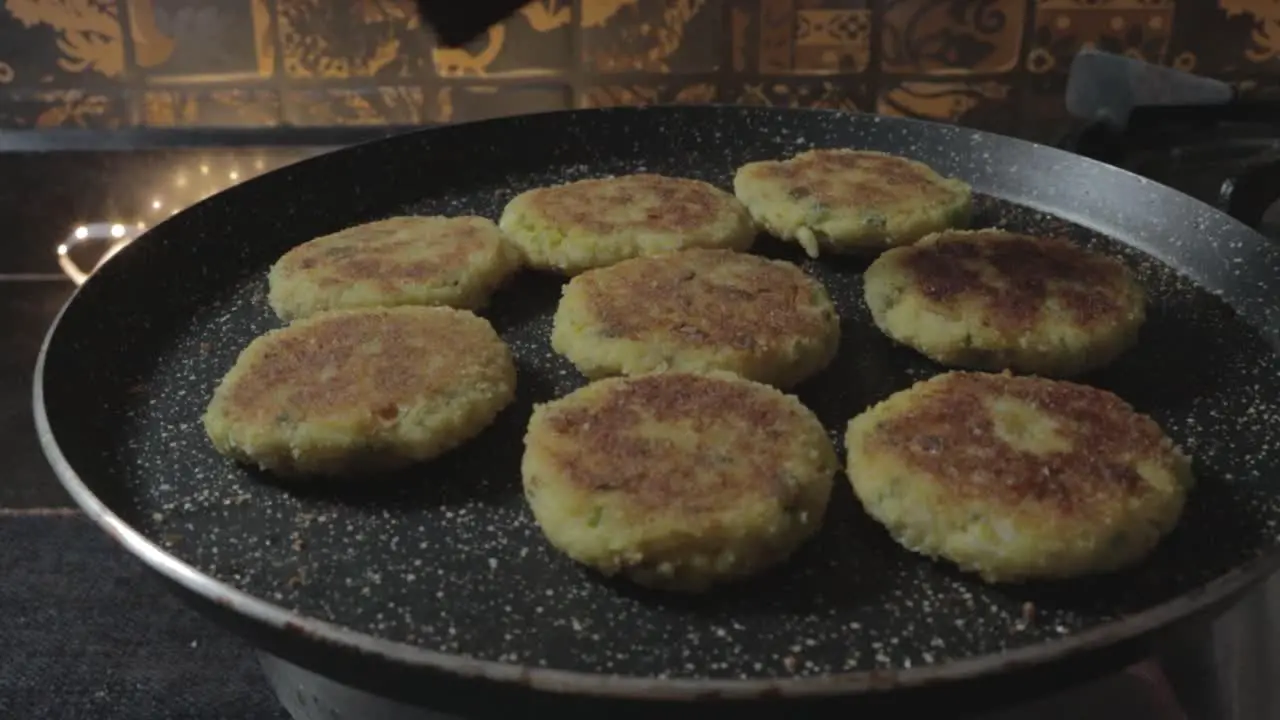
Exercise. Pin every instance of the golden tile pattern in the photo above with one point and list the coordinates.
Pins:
(87, 36)
(808, 93)
(1138, 28)
(999, 64)
(649, 94)
(248, 22)
(535, 42)
(222, 108)
(61, 108)
(926, 36)
(355, 39)
(940, 100)
(1264, 38)
(387, 105)
(651, 35)
(808, 37)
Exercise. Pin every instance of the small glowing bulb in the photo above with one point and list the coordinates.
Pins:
(204, 169)
(233, 175)
(141, 225)
(117, 231)
(63, 249)
(156, 204)
(82, 232)
(173, 212)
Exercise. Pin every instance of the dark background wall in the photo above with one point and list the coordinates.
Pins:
(998, 64)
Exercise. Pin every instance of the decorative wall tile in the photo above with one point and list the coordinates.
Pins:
(937, 36)
(1247, 34)
(1263, 46)
(661, 36)
(356, 39)
(660, 93)
(388, 105)
(998, 64)
(195, 40)
(478, 102)
(55, 42)
(536, 41)
(984, 103)
(801, 36)
(1141, 28)
(62, 108)
(848, 95)
(210, 107)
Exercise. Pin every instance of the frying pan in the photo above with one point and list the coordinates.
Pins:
(434, 587)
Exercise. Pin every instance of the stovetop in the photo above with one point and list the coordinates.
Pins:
(73, 206)
(1227, 156)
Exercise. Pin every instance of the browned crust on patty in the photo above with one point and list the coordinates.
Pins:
(1013, 276)
(673, 204)
(950, 435)
(717, 298)
(372, 252)
(641, 436)
(341, 361)
(824, 176)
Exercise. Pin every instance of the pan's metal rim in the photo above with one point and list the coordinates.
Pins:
(551, 680)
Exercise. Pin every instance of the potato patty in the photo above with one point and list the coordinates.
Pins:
(850, 201)
(1017, 478)
(351, 391)
(765, 320)
(677, 480)
(996, 300)
(594, 223)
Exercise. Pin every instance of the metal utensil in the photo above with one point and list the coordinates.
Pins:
(1104, 87)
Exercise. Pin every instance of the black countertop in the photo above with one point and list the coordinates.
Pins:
(88, 632)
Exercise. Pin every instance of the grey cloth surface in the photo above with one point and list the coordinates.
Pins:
(87, 634)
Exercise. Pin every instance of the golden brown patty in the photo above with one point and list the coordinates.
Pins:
(850, 200)
(765, 320)
(594, 223)
(1017, 478)
(361, 390)
(995, 300)
(677, 480)
(457, 262)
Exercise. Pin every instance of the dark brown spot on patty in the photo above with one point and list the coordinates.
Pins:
(678, 442)
(375, 360)
(656, 204)
(1016, 276)
(712, 298)
(392, 253)
(950, 434)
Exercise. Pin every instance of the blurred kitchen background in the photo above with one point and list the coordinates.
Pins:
(995, 64)
(116, 114)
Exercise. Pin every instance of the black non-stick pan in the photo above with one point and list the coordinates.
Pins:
(438, 589)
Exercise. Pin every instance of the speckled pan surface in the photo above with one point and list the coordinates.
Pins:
(448, 559)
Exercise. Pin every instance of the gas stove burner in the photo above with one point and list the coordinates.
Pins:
(1253, 197)
(1225, 155)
